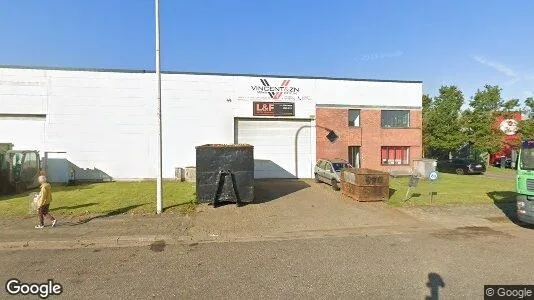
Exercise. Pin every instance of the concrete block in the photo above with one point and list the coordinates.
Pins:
(190, 174)
(179, 174)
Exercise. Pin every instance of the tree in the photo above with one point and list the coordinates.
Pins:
(510, 105)
(479, 120)
(442, 128)
(526, 127)
(427, 110)
(529, 105)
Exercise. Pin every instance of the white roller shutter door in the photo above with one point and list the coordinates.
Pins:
(282, 148)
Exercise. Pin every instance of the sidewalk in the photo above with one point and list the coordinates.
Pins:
(249, 223)
(115, 231)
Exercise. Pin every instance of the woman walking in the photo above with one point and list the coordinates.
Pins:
(45, 198)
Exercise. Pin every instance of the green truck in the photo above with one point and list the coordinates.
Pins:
(19, 169)
(525, 182)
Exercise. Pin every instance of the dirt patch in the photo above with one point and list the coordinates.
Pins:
(158, 246)
(469, 232)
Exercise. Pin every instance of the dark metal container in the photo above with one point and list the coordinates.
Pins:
(225, 173)
(365, 184)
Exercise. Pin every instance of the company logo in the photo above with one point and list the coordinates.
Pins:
(275, 91)
(509, 126)
(273, 109)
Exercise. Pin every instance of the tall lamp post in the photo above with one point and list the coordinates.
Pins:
(159, 186)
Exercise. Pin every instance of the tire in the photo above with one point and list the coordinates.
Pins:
(460, 171)
(317, 178)
(335, 186)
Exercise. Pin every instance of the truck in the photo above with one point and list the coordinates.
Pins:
(19, 169)
(525, 182)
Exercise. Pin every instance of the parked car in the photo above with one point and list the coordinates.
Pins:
(461, 166)
(329, 171)
(508, 163)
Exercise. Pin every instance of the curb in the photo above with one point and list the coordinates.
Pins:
(90, 243)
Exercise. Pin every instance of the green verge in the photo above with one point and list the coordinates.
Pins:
(454, 189)
(110, 198)
(499, 171)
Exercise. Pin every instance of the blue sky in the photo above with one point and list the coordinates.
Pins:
(466, 43)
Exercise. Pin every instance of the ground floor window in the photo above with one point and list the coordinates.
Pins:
(395, 155)
(354, 156)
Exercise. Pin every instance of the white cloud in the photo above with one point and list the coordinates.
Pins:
(511, 74)
(375, 56)
(507, 71)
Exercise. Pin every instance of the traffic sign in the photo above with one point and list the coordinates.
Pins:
(433, 175)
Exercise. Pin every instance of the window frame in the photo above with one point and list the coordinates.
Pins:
(395, 149)
(382, 125)
(359, 118)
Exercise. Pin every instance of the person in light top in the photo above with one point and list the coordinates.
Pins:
(45, 198)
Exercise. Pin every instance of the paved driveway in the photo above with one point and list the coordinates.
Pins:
(288, 208)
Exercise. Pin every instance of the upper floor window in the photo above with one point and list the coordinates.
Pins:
(354, 117)
(395, 118)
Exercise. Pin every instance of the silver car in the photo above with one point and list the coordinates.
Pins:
(329, 171)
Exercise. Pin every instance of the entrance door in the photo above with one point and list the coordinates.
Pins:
(282, 147)
(354, 156)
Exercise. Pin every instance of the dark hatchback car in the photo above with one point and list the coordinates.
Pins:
(461, 166)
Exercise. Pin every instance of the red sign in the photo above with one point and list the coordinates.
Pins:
(273, 109)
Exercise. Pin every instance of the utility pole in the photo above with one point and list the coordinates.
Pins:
(159, 184)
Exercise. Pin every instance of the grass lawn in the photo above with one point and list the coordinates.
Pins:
(494, 170)
(110, 198)
(452, 188)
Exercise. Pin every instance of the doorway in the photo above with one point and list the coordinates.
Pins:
(354, 156)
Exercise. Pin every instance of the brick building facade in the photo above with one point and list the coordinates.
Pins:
(376, 138)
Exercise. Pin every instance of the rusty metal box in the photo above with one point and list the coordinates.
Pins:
(365, 184)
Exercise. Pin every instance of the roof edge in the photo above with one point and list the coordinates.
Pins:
(111, 70)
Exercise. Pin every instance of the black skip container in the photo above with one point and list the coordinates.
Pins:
(225, 173)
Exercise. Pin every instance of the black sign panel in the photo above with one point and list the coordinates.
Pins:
(273, 109)
(414, 180)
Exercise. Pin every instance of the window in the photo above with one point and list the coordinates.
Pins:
(354, 117)
(339, 166)
(395, 155)
(332, 136)
(354, 156)
(395, 118)
(30, 161)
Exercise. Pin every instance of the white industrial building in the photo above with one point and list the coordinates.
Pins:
(106, 119)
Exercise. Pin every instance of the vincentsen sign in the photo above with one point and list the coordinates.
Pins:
(275, 91)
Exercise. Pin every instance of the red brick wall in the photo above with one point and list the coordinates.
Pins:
(370, 136)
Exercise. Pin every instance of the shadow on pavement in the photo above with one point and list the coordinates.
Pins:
(505, 201)
(111, 213)
(434, 283)
(266, 190)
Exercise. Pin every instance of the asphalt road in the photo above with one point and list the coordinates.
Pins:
(454, 263)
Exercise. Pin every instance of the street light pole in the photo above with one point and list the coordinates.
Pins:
(159, 187)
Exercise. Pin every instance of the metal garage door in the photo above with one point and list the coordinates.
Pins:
(25, 133)
(282, 148)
